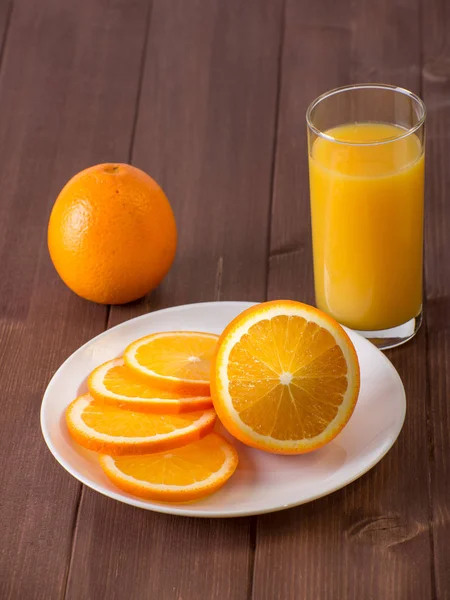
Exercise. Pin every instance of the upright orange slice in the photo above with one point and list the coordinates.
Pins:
(115, 383)
(175, 360)
(105, 428)
(180, 475)
(285, 378)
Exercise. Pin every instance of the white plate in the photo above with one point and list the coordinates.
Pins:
(263, 482)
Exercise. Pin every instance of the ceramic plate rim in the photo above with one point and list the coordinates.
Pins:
(184, 510)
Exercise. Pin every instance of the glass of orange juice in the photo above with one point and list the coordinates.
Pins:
(366, 168)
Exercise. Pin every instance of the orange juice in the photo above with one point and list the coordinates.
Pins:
(367, 224)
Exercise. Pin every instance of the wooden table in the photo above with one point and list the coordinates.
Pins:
(209, 97)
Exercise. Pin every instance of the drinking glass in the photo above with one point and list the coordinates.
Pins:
(366, 167)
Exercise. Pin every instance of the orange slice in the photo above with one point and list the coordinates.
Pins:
(285, 378)
(115, 383)
(105, 428)
(180, 475)
(175, 360)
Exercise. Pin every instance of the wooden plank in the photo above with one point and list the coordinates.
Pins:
(205, 132)
(436, 90)
(68, 88)
(371, 539)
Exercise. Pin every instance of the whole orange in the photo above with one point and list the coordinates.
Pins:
(112, 235)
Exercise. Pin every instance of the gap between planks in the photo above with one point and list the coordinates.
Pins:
(275, 142)
(6, 32)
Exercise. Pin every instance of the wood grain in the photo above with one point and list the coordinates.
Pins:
(436, 90)
(205, 131)
(67, 95)
(371, 539)
(192, 92)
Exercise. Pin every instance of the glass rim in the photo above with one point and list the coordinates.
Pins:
(360, 86)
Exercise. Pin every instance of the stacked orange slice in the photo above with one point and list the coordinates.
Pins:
(150, 417)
